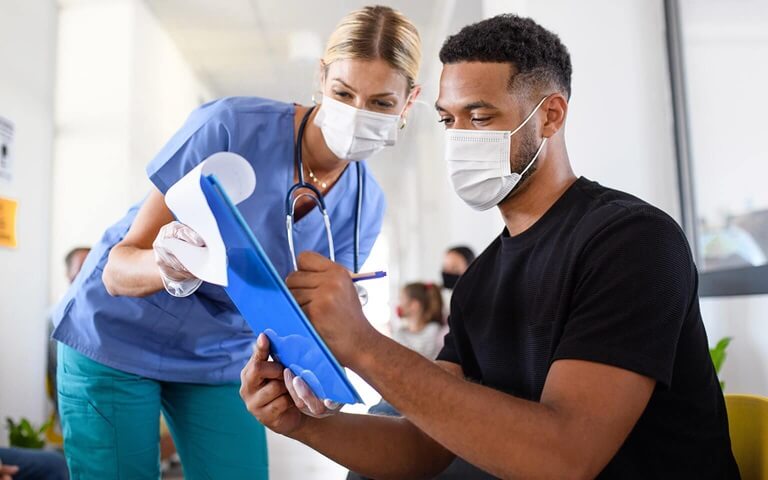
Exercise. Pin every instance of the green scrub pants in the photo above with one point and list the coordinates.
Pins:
(110, 422)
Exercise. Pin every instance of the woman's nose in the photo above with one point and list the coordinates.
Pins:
(359, 103)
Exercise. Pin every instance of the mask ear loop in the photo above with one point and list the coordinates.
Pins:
(533, 160)
(544, 141)
(529, 116)
(403, 118)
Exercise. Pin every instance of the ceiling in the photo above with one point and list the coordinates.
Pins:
(271, 48)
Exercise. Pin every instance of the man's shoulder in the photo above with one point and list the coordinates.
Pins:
(613, 212)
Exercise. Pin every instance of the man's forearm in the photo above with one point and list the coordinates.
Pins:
(375, 446)
(502, 434)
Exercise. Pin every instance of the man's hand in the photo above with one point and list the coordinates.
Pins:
(325, 292)
(264, 392)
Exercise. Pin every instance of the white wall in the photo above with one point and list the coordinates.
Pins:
(123, 90)
(27, 49)
(619, 129)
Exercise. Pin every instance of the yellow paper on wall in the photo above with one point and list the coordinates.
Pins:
(8, 222)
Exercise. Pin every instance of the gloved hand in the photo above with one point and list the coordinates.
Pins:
(305, 400)
(178, 281)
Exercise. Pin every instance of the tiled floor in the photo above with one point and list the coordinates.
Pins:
(289, 460)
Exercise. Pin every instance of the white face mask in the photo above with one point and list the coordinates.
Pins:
(478, 163)
(353, 134)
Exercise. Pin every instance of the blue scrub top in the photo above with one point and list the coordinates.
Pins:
(202, 338)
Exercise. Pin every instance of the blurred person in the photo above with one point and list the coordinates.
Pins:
(129, 349)
(73, 263)
(32, 464)
(421, 313)
(455, 262)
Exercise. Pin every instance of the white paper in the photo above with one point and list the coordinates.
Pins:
(6, 150)
(187, 201)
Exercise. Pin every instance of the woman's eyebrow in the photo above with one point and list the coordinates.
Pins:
(348, 86)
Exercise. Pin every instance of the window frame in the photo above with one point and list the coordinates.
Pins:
(716, 283)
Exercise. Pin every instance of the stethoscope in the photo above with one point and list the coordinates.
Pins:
(317, 197)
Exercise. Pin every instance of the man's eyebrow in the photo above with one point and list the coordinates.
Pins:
(470, 106)
(479, 104)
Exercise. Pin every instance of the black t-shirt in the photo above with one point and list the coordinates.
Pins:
(602, 277)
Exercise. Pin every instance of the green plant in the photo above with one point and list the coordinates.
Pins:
(718, 355)
(24, 435)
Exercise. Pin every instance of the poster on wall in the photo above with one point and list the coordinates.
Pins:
(8, 222)
(6, 150)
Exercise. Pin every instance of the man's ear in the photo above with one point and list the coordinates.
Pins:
(556, 109)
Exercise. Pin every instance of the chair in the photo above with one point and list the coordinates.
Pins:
(748, 422)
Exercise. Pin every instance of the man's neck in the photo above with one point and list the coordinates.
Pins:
(540, 192)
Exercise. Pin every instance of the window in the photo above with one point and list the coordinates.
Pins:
(718, 53)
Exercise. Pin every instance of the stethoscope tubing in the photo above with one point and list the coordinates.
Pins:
(319, 200)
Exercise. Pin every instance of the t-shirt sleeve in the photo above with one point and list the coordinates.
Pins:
(204, 133)
(449, 352)
(636, 283)
(374, 207)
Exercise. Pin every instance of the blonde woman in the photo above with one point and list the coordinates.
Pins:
(137, 339)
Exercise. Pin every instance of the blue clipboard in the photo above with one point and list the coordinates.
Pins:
(265, 302)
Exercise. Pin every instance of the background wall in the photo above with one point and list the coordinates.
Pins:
(27, 63)
(123, 89)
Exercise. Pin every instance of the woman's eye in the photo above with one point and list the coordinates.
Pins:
(445, 120)
(342, 94)
(383, 104)
(481, 119)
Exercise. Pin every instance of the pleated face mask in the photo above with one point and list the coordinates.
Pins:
(353, 134)
(479, 164)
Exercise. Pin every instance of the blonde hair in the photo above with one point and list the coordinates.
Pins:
(375, 32)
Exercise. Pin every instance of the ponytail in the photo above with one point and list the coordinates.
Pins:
(429, 297)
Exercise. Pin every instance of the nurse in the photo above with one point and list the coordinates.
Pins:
(135, 339)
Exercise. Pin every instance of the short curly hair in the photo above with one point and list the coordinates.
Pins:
(538, 57)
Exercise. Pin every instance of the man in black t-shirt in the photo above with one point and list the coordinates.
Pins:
(576, 347)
